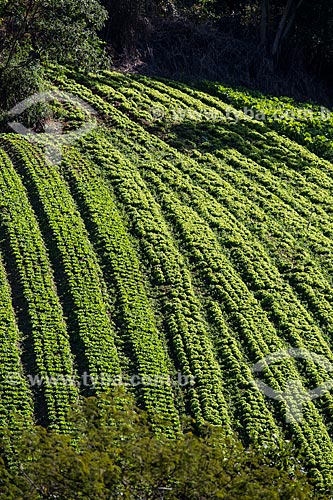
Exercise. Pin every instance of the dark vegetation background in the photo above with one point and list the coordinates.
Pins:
(283, 47)
(277, 46)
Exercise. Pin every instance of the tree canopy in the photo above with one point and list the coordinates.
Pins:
(113, 453)
(33, 32)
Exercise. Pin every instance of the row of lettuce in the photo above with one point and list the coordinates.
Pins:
(67, 277)
(309, 124)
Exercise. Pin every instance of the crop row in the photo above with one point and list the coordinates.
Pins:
(51, 347)
(188, 97)
(16, 405)
(145, 104)
(288, 168)
(170, 280)
(75, 255)
(122, 271)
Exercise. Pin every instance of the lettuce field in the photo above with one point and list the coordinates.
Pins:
(179, 239)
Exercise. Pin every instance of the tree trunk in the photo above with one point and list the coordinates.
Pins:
(282, 26)
(286, 23)
(291, 21)
(264, 23)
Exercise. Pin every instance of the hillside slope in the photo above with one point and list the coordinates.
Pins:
(171, 242)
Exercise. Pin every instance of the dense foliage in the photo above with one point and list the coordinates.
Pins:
(33, 32)
(115, 454)
(280, 46)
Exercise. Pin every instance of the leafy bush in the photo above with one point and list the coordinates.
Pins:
(33, 32)
(117, 455)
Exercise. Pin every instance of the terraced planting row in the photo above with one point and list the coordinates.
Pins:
(74, 252)
(16, 404)
(30, 269)
(122, 270)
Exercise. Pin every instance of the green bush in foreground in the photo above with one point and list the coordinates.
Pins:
(116, 455)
